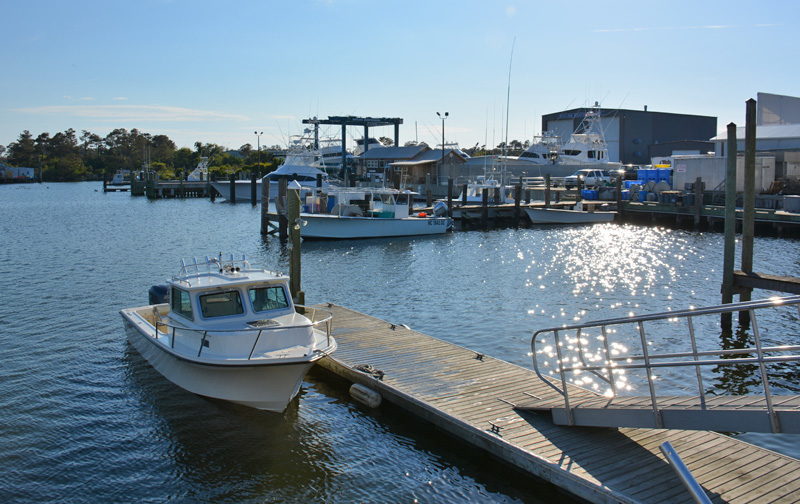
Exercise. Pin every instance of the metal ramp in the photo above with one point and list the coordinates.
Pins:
(569, 358)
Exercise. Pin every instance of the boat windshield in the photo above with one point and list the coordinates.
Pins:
(268, 298)
(221, 304)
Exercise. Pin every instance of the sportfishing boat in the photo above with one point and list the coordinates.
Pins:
(302, 164)
(224, 329)
(200, 172)
(356, 212)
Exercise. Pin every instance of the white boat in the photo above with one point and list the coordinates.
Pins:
(120, 178)
(302, 164)
(200, 172)
(564, 216)
(366, 213)
(475, 189)
(229, 331)
(547, 154)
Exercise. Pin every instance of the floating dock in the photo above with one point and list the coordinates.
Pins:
(472, 396)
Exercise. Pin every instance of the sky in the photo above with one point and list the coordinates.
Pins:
(217, 72)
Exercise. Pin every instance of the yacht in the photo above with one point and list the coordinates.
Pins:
(302, 164)
(222, 328)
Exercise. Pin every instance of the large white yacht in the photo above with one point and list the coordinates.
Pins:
(302, 164)
(223, 329)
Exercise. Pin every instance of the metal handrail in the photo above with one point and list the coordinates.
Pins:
(649, 361)
(326, 320)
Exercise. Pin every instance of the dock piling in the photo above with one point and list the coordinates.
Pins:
(265, 224)
(450, 196)
(280, 208)
(253, 189)
(295, 269)
(547, 190)
(232, 181)
(730, 226)
(485, 208)
(748, 217)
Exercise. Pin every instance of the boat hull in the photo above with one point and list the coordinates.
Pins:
(321, 226)
(262, 386)
(561, 216)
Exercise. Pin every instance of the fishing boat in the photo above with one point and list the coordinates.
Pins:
(565, 216)
(343, 213)
(222, 328)
(302, 165)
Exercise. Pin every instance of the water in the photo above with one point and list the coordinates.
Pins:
(85, 419)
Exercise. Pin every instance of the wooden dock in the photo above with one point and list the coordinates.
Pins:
(473, 397)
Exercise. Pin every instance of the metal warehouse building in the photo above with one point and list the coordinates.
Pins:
(630, 134)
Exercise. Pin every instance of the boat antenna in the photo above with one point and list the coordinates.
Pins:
(508, 95)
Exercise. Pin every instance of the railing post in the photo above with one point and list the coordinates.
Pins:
(773, 417)
(564, 390)
(608, 362)
(696, 368)
(650, 384)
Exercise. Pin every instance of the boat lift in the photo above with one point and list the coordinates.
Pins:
(570, 358)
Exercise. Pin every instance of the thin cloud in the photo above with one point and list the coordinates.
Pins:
(133, 113)
(666, 28)
(120, 98)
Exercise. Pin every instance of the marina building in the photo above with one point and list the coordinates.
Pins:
(632, 134)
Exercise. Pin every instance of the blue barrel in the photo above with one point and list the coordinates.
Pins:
(626, 195)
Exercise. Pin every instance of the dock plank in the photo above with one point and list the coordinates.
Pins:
(444, 384)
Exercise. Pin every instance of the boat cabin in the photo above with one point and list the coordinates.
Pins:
(360, 203)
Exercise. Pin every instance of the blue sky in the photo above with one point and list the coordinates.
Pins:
(217, 71)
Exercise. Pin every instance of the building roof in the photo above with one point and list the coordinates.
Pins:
(764, 132)
(394, 152)
(436, 155)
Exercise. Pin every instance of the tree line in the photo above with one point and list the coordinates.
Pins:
(69, 157)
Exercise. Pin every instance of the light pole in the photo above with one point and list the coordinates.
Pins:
(258, 143)
(443, 117)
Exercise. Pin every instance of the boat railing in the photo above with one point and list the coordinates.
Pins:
(209, 264)
(583, 352)
(187, 337)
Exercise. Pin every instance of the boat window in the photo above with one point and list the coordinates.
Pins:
(402, 199)
(530, 154)
(570, 152)
(181, 303)
(268, 298)
(221, 304)
(591, 154)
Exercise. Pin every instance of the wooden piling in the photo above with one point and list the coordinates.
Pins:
(463, 194)
(280, 208)
(698, 201)
(265, 206)
(450, 196)
(748, 203)
(293, 210)
(517, 198)
(232, 182)
(547, 190)
(253, 189)
(428, 193)
(485, 208)
(729, 250)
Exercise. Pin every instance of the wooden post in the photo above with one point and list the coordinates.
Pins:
(264, 206)
(450, 196)
(620, 203)
(428, 195)
(517, 198)
(527, 195)
(485, 208)
(547, 190)
(498, 196)
(749, 203)
(253, 189)
(280, 207)
(295, 269)
(463, 194)
(232, 181)
(698, 201)
(730, 227)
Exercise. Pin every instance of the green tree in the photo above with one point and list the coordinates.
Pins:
(23, 151)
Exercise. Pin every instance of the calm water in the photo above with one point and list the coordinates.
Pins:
(85, 419)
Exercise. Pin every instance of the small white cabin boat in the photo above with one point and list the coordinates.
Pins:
(227, 330)
(366, 213)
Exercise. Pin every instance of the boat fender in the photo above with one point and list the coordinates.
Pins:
(422, 214)
(158, 294)
(365, 395)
